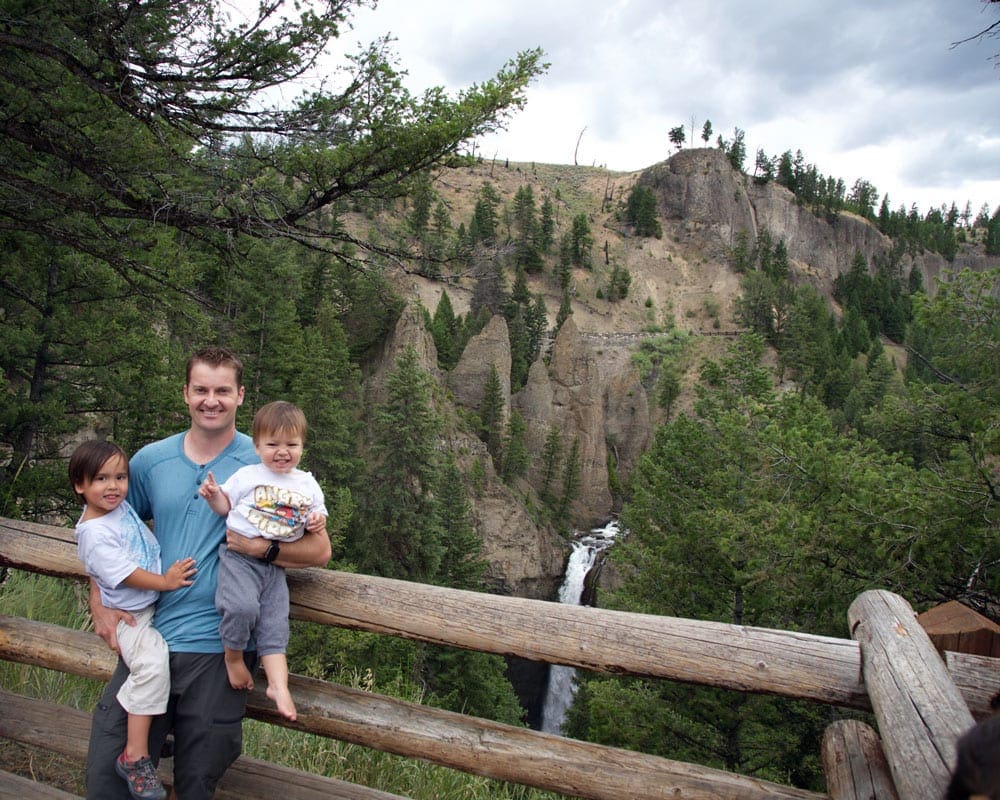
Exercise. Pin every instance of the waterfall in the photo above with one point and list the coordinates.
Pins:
(562, 679)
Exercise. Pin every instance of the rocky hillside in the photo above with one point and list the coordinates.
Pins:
(587, 386)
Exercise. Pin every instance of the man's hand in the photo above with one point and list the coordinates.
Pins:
(255, 546)
(106, 619)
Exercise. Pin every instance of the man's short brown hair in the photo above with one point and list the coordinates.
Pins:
(216, 356)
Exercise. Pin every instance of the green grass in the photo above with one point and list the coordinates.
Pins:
(46, 599)
(64, 603)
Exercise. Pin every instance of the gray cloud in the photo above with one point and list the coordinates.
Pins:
(851, 81)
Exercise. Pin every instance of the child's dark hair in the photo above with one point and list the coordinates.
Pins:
(88, 459)
(279, 417)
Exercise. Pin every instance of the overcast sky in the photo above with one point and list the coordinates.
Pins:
(865, 88)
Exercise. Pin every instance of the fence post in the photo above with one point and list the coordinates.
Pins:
(919, 710)
(854, 764)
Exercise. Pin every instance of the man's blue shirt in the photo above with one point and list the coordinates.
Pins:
(163, 487)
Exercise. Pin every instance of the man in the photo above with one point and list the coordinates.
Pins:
(205, 713)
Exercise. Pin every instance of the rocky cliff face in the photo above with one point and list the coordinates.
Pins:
(571, 395)
(586, 388)
(701, 188)
(524, 559)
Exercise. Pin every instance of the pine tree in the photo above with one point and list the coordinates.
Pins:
(993, 235)
(462, 564)
(547, 226)
(640, 212)
(854, 332)
(581, 242)
(565, 309)
(491, 416)
(520, 343)
(742, 253)
(538, 321)
(618, 283)
(564, 267)
(483, 227)
(329, 392)
(515, 454)
(526, 230)
(552, 452)
(445, 332)
(570, 483)
(778, 268)
(399, 533)
(441, 230)
(421, 199)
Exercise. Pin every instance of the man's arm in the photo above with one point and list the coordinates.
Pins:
(312, 550)
(106, 619)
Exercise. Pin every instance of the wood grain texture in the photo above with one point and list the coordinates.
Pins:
(919, 709)
(854, 764)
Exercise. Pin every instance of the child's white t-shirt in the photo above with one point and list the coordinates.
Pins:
(272, 505)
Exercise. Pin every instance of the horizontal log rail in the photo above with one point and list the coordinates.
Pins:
(64, 730)
(819, 668)
(26, 789)
(476, 746)
(823, 669)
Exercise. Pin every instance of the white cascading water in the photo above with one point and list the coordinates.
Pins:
(562, 679)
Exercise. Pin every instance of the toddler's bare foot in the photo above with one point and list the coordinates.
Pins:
(239, 675)
(283, 700)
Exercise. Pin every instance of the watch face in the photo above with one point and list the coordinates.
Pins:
(272, 552)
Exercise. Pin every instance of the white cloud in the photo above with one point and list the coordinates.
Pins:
(865, 90)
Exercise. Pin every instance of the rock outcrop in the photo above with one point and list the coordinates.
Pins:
(524, 559)
(569, 395)
(700, 187)
(489, 348)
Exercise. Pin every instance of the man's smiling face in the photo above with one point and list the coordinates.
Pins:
(212, 397)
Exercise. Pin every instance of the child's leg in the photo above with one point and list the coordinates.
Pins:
(276, 668)
(236, 669)
(137, 744)
(134, 765)
(237, 594)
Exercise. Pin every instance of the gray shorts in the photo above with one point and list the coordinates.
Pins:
(205, 715)
(252, 598)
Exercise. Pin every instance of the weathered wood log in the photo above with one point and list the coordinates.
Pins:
(786, 663)
(475, 746)
(12, 786)
(977, 678)
(818, 668)
(920, 711)
(65, 730)
(854, 764)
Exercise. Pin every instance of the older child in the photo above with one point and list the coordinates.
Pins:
(120, 554)
(277, 501)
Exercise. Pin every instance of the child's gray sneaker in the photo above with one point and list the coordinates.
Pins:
(140, 775)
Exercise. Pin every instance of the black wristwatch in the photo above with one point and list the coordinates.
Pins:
(272, 552)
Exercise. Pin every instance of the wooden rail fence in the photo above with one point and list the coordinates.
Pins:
(921, 702)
